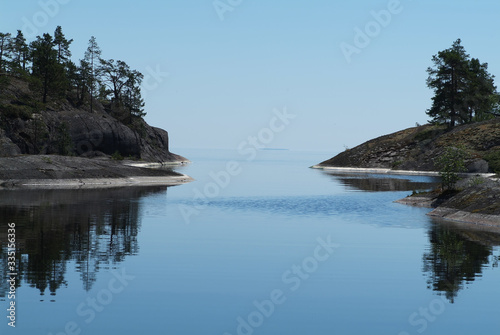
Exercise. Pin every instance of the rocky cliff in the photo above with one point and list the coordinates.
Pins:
(27, 127)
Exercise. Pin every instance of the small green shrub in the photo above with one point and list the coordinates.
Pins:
(429, 134)
(396, 164)
(64, 142)
(117, 156)
(47, 160)
(16, 111)
(493, 159)
(476, 181)
(450, 164)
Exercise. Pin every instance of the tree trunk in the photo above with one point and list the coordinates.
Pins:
(1, 56)
(453, 97)
(45, 88)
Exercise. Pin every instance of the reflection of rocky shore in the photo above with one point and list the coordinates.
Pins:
(88, 227)
(381, 183)
(457, 256)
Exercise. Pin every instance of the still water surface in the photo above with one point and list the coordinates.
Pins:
(273, 248)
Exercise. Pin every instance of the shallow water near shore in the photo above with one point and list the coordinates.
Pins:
(266, 246)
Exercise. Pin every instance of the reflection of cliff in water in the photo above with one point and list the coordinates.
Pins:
(92, 228)
(457, 257)
(383, 183)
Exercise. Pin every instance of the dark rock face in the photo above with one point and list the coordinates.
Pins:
(483, 198)
(478, 166)
(7, 147)
(80, 133)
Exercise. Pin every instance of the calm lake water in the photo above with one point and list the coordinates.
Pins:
(261, 247)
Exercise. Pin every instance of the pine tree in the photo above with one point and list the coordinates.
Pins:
(114, 76)
(49, 73)
(132, 98)
(481, 93)
(84, 82)
(5, 50)
(123, 85)
(448, 79)
(74, 78)
(19, 52)
(62, 46)
(89, 63)
(464, 90)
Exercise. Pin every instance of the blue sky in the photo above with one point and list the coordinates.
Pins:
(228, 70)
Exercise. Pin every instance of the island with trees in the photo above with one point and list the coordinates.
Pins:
(462, 138)
(65, 120)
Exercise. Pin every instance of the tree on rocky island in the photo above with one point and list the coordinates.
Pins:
(481, 96)
(62, 46)
(121, 86)
(4, 51)
(450, 164)
(88, 66)
(46, 65)
(464, 90)
(48, 74)
(20, 52)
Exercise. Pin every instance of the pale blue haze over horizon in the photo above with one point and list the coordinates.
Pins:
(228, 70)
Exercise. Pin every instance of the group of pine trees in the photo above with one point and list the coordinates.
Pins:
(46, 64)
(464, 90)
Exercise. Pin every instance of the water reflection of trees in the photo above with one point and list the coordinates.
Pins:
(92, 228)
(457, 257)
(381, 183)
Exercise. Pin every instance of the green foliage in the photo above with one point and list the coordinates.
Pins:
(493, 159)
(47, 160)
(481, 96)
(138, 125)
(40, 75)
(396, 164)
(16, 111)
(122, 87)
(64, 142)
(117, 156)
(20, 53)
(50, 74)
(464, 90)
(474, 181)
(429, 134)
(5, 51)
(450, 163)
(47, 65)
(4, 82)
(61, 45)
(89, 71)
(39, 133)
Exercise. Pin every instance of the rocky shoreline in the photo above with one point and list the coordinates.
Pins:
(476, 202)
(54, 171)
(416, 151)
